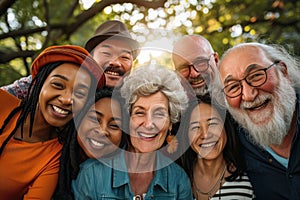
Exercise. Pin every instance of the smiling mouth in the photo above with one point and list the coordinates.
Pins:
(60, 111)
(259, 106)
(208, 145)
(114, 71)
(197, 81)
(147, 135)
(95, 143)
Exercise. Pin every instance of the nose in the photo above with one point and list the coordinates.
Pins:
(193, 72)
(101, 129)
(249, 93)
(66, 98)
(148, 121)
(115, 62)
(204, 132)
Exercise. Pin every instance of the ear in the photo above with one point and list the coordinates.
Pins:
(283, 69)
(216, 58)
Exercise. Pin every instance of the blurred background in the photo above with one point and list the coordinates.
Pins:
(28, 26)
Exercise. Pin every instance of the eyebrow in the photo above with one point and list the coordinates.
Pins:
(110, 47)
(60, 76)
(248, 69)
(101, 115)
(209, 119)
(66, 79)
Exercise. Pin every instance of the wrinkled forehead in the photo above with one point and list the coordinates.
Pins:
(237, 60)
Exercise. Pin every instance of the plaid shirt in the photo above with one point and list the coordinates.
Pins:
(19, 88)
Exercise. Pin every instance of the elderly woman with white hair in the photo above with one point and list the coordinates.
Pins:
(155, 99)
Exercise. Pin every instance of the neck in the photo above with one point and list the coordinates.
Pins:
(210, 167)
(140, 162)
(41, 130)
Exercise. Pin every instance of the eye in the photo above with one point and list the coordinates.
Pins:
(194, 129)
(232, 88)
(106, 53)
(139, 113)
(159, 114)
(212, 124)
(114, 126)
(93, 118)
(126, 57)
(80, 93)
(57, 85)
(256, 76)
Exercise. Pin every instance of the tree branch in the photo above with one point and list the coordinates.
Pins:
(4, 5)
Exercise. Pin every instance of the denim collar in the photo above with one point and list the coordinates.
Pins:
(160, 178)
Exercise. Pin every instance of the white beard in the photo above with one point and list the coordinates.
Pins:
(273, 131)
(201, 91)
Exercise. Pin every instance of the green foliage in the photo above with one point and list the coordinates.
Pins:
(223, 22)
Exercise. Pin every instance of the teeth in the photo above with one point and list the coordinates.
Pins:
(98, 144)
(112, 73)
(147, 135)
(196, 81)
(208, 145)
(60, 111)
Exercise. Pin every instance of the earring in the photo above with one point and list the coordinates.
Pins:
(172, 143)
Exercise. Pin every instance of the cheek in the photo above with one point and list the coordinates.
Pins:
(270, 86)
(127, 66)
(234, 102)
(78, 104)
(116, 138)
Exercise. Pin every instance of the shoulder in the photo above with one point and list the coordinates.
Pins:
(8, 103)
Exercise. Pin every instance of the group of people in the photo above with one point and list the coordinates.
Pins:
(85, 125)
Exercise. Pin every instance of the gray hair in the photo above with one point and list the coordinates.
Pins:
(274, 52)
(147, 80)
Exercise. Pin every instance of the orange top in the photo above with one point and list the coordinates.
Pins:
(27, 170)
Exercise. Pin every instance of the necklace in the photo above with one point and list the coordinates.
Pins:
(218, 183)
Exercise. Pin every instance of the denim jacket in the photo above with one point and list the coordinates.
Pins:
(98, 180)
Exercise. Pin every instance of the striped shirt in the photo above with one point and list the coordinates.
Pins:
(239, 190)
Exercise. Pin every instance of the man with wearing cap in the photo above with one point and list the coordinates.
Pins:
(112, 47)
(195, 59)
(34, 131)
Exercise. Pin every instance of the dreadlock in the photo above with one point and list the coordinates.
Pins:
(29, 104)
(72, 154)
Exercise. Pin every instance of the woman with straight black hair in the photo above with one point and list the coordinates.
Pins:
(212, 160)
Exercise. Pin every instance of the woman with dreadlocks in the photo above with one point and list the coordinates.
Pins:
(33, 132)
(99, 135)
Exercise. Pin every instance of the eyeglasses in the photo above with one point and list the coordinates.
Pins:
(199, 65)
(254, 79)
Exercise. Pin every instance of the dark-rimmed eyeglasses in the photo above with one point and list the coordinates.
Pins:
(200, 65)
(254, 79)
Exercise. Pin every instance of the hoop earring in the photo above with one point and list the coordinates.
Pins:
(172, 143)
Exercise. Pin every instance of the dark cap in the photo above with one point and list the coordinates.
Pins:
(69, 53)
(115, 29)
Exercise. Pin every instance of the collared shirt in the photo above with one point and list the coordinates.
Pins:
(99, 180)
(269, 178)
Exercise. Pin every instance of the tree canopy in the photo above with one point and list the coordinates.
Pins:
(28, 26)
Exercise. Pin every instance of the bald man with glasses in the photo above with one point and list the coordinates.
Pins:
(194, 58)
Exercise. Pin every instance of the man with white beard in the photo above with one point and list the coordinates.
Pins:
(260, 84)
(194, 58)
